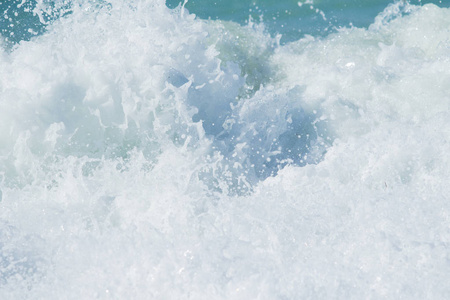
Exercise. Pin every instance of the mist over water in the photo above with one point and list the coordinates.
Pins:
(149, 153)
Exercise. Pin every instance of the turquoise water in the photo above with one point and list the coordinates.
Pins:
(224, 149)
(292, 20)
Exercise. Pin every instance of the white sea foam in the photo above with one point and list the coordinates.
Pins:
(146, 154)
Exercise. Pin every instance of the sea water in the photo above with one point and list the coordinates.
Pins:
(224, 149)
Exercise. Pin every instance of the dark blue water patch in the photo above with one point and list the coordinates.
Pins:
(254, 131)
(260, 136)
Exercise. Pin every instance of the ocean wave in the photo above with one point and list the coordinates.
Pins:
(145, 152)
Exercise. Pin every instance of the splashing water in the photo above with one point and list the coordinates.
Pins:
(147, 153)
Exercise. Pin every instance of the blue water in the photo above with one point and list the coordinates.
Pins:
(224, 149)
(288, 18)
(317, 18)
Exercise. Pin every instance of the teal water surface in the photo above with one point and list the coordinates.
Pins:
(292, 18)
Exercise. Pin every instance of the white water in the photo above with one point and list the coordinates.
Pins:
(146, 154)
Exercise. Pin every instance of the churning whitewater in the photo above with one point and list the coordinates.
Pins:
(149, 154)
